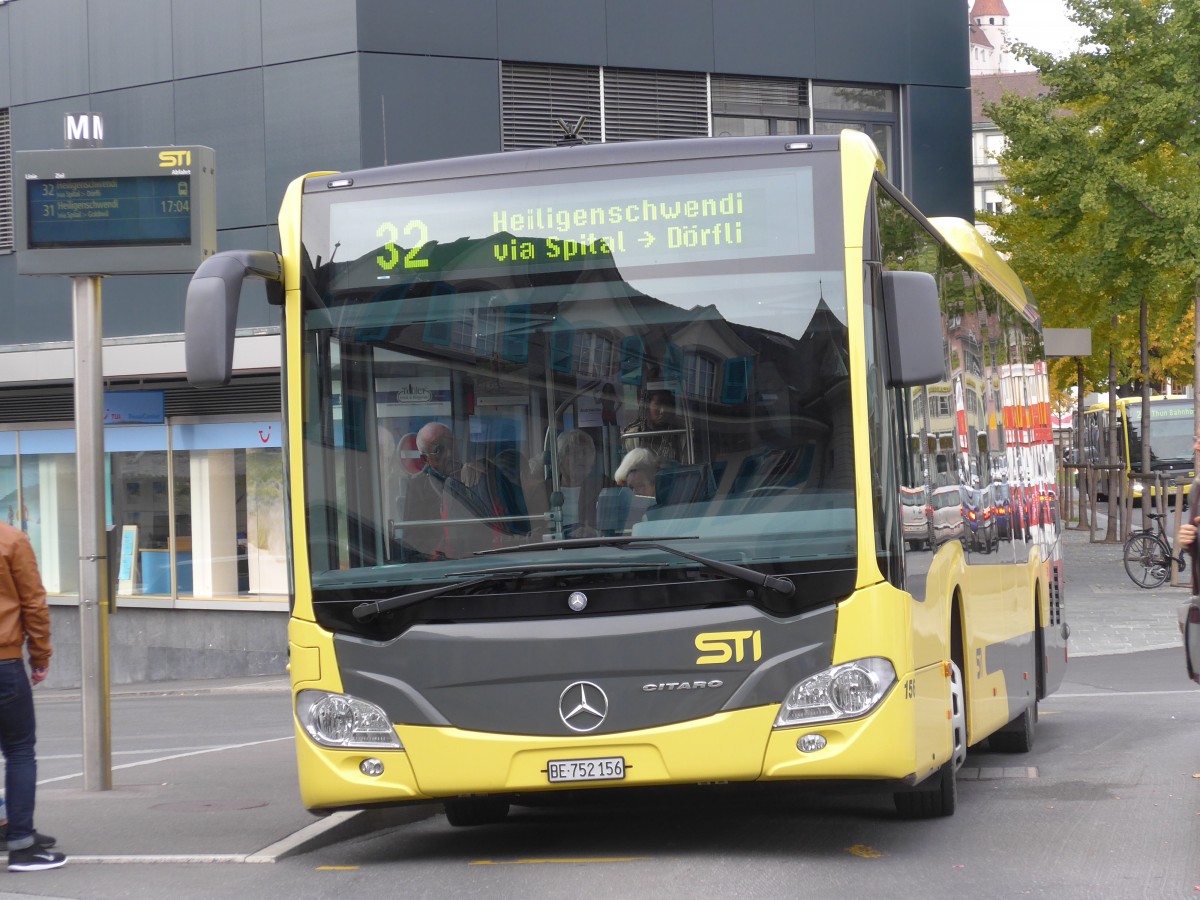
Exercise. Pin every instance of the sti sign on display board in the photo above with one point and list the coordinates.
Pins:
(114, 211)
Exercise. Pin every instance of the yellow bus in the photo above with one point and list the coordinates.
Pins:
(1172, 430)
(595, 465)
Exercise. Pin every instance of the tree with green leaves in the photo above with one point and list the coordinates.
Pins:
(1103, 177)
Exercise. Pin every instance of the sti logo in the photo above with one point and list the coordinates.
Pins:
(174, 159)
(723, 646)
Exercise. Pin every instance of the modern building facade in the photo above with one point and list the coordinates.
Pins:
(280, 88)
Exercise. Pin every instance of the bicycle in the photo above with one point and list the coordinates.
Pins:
(1148, 555)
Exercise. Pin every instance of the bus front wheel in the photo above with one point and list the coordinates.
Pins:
(465, 812)
(936, 797)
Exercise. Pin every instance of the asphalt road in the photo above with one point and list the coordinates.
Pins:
(1105, 806)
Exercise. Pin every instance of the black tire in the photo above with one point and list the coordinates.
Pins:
(1147, 560)
(466, 812)
(1017, 735)
(936, 797)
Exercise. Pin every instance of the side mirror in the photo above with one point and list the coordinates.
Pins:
(210, 314)
(913, 316)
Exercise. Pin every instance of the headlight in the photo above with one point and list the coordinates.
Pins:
(847, 691)
(339, 720)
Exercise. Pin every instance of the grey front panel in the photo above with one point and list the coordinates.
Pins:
(570, 32)
(307, 29)
(312, 121)
(39, 312)
(939, 55)
(939, 161)
(215, 36)
(6, 63)
(398, 90)
(510, 677)
(237, 135)
(129, 42)
(863, 42)
(785, 49)
(38, 75)
(661, 34)
(136, 116)
(445, 28)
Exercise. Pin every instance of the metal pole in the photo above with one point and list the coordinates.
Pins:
(93, 549)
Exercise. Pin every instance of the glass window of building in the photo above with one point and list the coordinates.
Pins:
(748, 106)
(871, 110)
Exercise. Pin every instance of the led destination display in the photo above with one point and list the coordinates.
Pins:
(637, 222)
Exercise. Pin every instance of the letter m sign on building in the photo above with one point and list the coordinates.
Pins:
(83, 130)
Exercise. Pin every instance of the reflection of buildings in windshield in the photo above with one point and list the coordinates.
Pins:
(516, 357)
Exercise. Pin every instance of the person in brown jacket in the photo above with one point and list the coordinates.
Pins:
(24, 626)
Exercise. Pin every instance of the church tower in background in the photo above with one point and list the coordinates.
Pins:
(988, 35)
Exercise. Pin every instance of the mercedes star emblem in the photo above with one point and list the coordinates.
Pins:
(582, 706)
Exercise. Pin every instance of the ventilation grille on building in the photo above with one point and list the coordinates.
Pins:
(534, 96)
(6, 197)
(759, 91)
(257, 396)
(642, 104)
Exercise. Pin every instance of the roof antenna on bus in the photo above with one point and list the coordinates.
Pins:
(383, 123)
(571, 136)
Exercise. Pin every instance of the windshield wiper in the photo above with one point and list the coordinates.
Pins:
(370, 608)
(627, 542)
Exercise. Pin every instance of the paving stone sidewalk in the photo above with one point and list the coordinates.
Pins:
(1107, 612)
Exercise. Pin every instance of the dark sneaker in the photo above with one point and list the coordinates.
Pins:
(45, 841)
(34, 859)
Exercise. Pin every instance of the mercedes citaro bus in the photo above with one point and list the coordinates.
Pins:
(486, 606)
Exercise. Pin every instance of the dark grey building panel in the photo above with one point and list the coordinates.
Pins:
(743, 46)
(236, 132)
(129, 42)
(312, 120)
(939, 155)
(661, 34)
(456, 111)
(5, 60)
(569, 32)
(34, 310)
(215, 36)
(444, 28)
(303, 29)
(136, 116)
(939, 51)
(143, 304)
(56, 63)
(39, 126)
(864, 42)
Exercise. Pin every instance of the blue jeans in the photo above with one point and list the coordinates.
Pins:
(17, 736)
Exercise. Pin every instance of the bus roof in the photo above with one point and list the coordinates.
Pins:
(971, 246)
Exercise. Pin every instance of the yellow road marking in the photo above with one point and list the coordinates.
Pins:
(862, 850)
(337, 868)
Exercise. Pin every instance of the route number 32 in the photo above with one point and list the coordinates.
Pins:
(391, 255)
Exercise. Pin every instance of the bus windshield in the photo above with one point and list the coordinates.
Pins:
(1172, 432)
(610, 351)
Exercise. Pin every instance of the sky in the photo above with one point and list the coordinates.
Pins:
(1043, 24)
